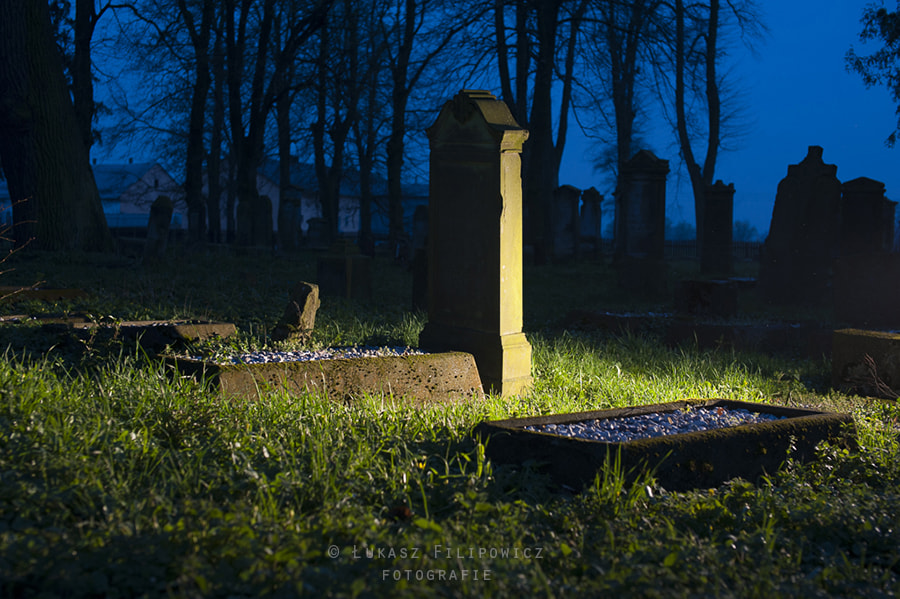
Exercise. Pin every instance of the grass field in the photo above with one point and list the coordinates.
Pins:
(116, 480)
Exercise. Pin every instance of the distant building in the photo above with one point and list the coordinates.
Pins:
(126, 191)
(305, 186)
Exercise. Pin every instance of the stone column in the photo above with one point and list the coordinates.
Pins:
(718, 230)
(475, 240)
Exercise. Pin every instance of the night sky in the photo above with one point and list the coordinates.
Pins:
(797, 93)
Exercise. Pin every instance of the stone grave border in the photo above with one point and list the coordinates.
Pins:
(416, 379)
(683, 461)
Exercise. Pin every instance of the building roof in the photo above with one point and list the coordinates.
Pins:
(303, 176)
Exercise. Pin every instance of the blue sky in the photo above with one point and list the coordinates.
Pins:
(797, 93)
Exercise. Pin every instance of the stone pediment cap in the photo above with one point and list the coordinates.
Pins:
(645, 160)
(864, 184)
(813, 163)
(469, 103)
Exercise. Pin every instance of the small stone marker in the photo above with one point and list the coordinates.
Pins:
(475, 240)
(718, 227)
(795, 266)
(299, 316)
(591, 220)
(565, 222)
(158, 228)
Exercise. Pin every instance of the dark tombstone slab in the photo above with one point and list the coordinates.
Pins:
(475, 240)
(254, 221)
(565, 222)
(158, 228)
(591, 221)
(867, 217)
(804, 236)
(290, 220)
(641, 225)
(344, 272)
(317, 234)
(718, 226)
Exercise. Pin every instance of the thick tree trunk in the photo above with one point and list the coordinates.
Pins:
(542, 177)
(193, 179)
(44, 156)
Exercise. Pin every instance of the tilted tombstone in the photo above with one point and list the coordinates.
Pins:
(158, 227)
(804, 235)
(641, 224)
(591, 220)
(718, 226)
(565, 221)
(475, 240)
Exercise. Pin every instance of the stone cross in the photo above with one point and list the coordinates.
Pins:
(475, 240)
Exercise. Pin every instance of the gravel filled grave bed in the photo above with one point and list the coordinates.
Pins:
(647, 426)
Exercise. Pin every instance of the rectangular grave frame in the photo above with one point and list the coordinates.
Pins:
(682, 462)
(420, 379)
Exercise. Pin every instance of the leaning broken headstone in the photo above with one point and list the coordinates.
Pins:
(299, 316)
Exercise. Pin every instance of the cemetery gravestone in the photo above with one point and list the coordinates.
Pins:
(718, 225)
(641, 224)
(591, 220)
(299, 316)
(158, 228)
(565, 222)
(867, 274)
(867, 217)
(803, 240)
(475, 240)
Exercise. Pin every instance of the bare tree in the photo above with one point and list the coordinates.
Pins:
(539, 26)
(696, 53)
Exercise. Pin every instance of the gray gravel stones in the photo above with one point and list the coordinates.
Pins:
(657, 424)
(331, 353)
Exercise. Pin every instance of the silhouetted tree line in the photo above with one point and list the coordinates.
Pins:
(222, 85)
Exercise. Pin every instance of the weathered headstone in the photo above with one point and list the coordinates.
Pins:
(565, 222)
(867, 217)
(718, 226)
(867, 274)
(158, 228)
(475, 240)
(804, 235)
(299, 316)
(317, 234)
(254, 221)
(290, 219)
(641, 224)
(591, 220)
(344, 272)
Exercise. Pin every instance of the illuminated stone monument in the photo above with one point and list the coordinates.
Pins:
(475, 240)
